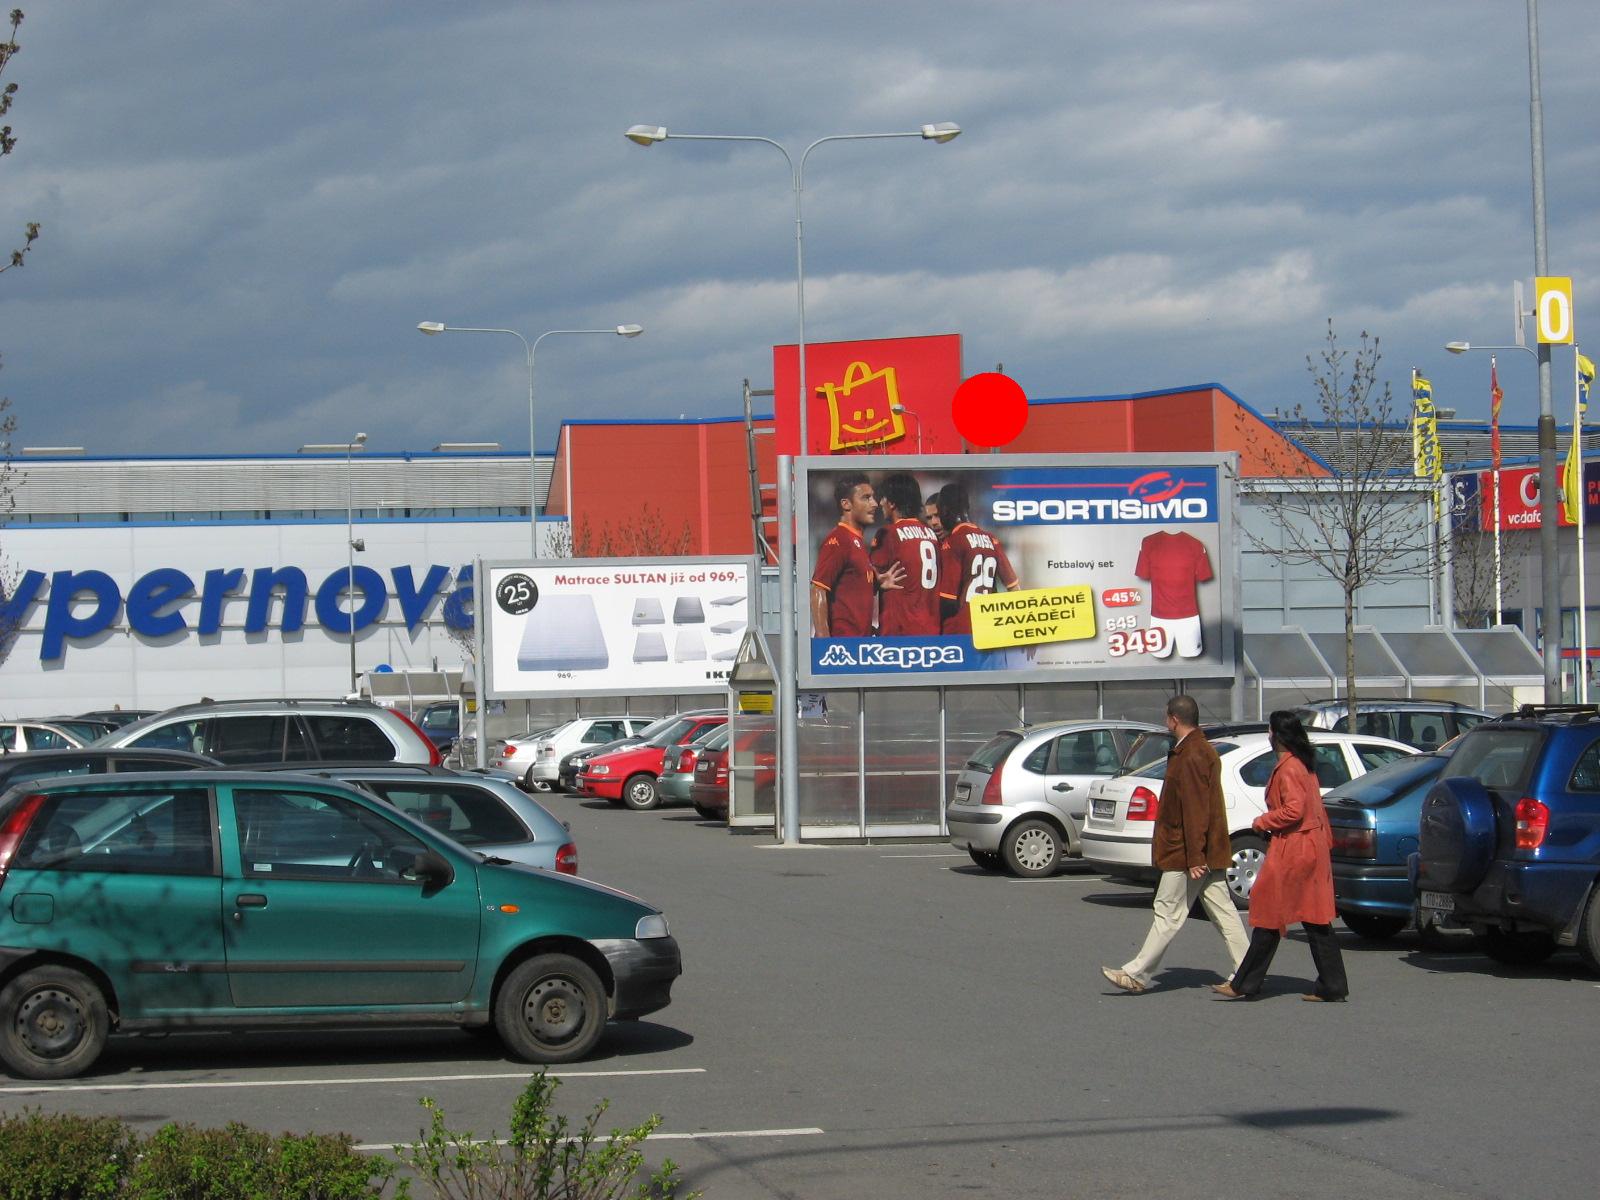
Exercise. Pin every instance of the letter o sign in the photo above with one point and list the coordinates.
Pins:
(1552, 309)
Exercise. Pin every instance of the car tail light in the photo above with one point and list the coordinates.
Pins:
(991, 790)
(13, 827)
(1142, 804)
(435, 759)
(508, 751)
(722, 774)
(567, 859)
(686, 760)
(1533, 821)
(1350, 842)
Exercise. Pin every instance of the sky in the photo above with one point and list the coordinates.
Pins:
(247, 208)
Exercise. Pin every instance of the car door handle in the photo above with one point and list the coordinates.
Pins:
(250, 900)
(1061, 787)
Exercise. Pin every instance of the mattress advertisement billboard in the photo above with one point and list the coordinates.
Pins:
(950, 570)
(591, 627)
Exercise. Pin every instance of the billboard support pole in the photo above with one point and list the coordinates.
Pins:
(480, 667)
(788, 650)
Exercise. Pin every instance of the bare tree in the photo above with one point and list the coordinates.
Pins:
(10, 623)
(1360, 524)
(642, 535)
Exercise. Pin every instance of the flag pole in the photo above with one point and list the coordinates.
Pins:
(1494, 482)
(1582, 518)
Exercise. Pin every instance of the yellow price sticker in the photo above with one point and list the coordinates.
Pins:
(755, 702)
(1027, 618)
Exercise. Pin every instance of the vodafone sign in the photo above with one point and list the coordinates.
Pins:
(1519, 498)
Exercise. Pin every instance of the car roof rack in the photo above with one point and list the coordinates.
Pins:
(1574, 713)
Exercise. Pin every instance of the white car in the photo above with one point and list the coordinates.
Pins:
(1122, 810)
(536, 757)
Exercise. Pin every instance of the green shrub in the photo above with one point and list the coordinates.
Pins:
(184, 1162)
(541, 1160)
(60, 1156)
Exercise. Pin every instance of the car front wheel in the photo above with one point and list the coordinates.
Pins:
(639, 793)
(1032, 849)
(551, 1009)
(1249, 853)
(55, 1023)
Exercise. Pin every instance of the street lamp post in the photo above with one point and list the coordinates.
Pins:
(529, 349)
(788, 653)
(351, 542)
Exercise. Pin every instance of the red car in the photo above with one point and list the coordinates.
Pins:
(628, 776)
(709, 791)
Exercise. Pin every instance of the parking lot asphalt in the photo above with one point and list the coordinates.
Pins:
(888, 1021)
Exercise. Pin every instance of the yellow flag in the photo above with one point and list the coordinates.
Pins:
(1572, 479)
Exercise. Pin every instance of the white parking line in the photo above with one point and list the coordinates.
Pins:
(172, 1087)
(942, 855)
(812, 1131)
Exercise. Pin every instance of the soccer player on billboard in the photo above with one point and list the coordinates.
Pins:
(906, 542)
(843, 583)
(975, 560)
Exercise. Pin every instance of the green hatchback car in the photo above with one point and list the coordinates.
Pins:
(209, 899)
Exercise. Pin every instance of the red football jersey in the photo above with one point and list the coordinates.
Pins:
(1174, 563)
(845, 573)
(913, 607)
(977, 566)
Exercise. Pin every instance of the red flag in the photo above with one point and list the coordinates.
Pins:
(1495, 396)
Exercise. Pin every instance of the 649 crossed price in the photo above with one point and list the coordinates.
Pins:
(1136, 641)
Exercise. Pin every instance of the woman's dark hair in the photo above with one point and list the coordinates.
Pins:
(1291, 736)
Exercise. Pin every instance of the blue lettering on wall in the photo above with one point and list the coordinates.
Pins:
(414, 601)
(373, 598)
(219, 585)
(160, 589)
(156, 601)
(59, 621)
(264, 582)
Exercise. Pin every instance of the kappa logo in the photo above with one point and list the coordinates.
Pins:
(881, 655)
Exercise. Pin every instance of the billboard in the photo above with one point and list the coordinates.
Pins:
(879, 396)
(962, 569)
(613, 626)
(1519, 498)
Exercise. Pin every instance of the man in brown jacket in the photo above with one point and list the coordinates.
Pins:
(1190, 848)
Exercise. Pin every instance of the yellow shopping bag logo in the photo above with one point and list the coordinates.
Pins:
(869, 418)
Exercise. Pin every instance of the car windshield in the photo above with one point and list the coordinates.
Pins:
(1147, 748)
(1384, 783)
(993, 752)
(443, 717)
(669, 734)
(656, 726)
(1496, 757)
(717, 739)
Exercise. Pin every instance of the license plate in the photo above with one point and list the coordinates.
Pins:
(1437, 901)
(963, 792)
(1103, 809)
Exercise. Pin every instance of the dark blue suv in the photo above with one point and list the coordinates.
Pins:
(1510, 836)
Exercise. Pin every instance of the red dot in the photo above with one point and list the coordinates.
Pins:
(990, 409)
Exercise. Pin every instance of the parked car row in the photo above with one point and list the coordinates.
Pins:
(147, 887)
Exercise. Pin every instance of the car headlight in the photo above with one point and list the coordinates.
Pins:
(601, 769)
(652, 926)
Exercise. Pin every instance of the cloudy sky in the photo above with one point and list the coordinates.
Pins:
(248, 207)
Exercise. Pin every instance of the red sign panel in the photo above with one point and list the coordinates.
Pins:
(884, 396)
(1519, 499)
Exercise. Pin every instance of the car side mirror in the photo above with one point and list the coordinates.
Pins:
(432, 870)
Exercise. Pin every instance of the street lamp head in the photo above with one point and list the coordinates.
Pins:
(943, 132)
(646, 135)
(430, 327)
(629, 331)
(358, 544)
(1458, 347)
(360, 439)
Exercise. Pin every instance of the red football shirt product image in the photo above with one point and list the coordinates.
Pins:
(846, 574)
(977, 566)
(911, 609)
(1175, 564)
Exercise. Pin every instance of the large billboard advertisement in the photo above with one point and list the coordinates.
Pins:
(954, 570)
(595, 627)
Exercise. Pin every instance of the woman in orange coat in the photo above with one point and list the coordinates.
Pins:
(1296, 881)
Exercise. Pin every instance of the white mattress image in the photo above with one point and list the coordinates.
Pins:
(563, 633)
(727, 627)
(688, 611)
(649, 647)
(725, 601)
(647, 611)
(690, 646)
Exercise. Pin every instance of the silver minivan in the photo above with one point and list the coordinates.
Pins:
(1019, 801)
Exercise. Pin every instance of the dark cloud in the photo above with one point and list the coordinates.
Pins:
(248, 208)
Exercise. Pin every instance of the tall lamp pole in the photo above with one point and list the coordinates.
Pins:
(788, 655)
(1550, 576)
(528, 350)
(352, 543)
